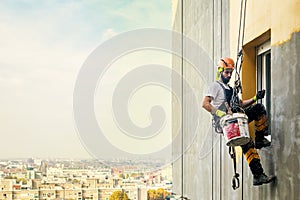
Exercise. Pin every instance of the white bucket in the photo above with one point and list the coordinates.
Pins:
(235, 129)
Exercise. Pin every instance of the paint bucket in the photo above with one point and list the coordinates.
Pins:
(235, 129)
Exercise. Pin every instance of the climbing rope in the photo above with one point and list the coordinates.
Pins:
(242, 18)
(235, 101)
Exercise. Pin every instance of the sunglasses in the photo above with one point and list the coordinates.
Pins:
(228, 71)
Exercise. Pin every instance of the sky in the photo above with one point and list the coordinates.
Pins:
(43, 45)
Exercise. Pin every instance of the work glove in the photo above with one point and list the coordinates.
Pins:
(220, 113)
(259, 95)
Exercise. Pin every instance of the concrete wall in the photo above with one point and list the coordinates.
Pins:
(202, 168)
(286, 117)
(204, 164)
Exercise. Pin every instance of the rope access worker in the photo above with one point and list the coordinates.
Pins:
(218, 93)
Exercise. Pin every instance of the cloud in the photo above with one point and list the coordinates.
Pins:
(145, 14)
(109, 33)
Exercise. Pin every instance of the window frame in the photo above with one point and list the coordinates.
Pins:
(263, 73)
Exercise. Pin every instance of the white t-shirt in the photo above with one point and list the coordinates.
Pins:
(216, 92)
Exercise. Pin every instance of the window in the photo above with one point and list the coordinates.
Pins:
(263, 74)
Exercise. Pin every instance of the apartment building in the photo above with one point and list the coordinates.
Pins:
(268, 32)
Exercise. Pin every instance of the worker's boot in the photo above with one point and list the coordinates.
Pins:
(260, 140)
(262, 179)
(262, 143)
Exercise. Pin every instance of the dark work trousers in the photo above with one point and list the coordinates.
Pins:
(258, 113)
(255, 112)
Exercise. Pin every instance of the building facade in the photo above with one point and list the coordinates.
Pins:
(202, 167)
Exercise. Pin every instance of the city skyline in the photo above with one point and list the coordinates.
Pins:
(85, 179)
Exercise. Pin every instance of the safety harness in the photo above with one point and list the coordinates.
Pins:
(229, 95)
(224, 107)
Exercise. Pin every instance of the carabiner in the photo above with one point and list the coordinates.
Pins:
(235, 181)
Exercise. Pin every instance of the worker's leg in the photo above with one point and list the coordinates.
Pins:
(258, 113)
(253, 160)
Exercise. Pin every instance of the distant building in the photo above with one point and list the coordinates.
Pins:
(73, 193)
(61, 183)
(7, 184)
(142, 194)
(92, 193)
(26, 194)
(30, 173)
(43, 168)
(7, 194)
(45, 194)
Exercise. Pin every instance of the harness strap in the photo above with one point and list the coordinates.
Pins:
(227, 96)
(224, 107)
(235, 178)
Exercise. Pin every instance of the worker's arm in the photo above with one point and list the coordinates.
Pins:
(206, 104)
(248, 102)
